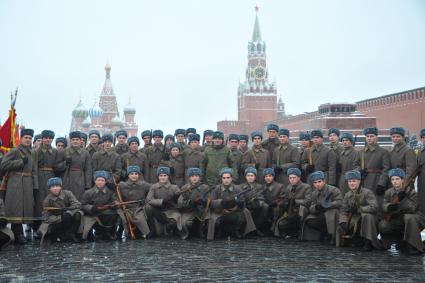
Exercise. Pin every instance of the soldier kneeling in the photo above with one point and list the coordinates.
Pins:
(325, 201)
(99, 209)
(357, 218)
(6, 235)
(162, 204)
(134, 190)
(227, 209)
(194, 203)
(402, 222)
(61, 213)
(254, 200)
(294, 198)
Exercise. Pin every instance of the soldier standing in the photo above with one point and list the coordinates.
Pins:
(285, 156)
(36, 141)
(180, 136)
(272, 141)
(134, 157)
(94, 137)
(147, 140)
(155, 154)
(243, 143)
(358, 215)
(305, 143)
(207, 139)
(421, 173)
(19, 166)
(78, 174)
(83, 140)
(61, 143)
(349, 159)
(257, 157)
(176, 165)
(236, 153)
(193, 156)
(108, 160)
(333, 135)
(121, 147)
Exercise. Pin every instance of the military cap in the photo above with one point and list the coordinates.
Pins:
(74, 135)
(27, 132)
(36, 137)
(256, 134)
(305, 136)
(94, 132)
(47, 134)
(316, 133)
(158, 133)
(370, 131)
(294, 171)
(55, 181)
(169, 137)
(348, 136)
(194, 171)
(163, 170)
(62, 140)
(334, 131)
(397, 172)
(176, 145)
(272, 127)
(208, 133)
(133, 139)
(121, 133)
(83, 136)
(101, 174)
(180, 132)
(250, 170)
(318, 175)
(218, 134)
(284, 132)
(133, 169)
(397, 131)
(422, 133)
(108, 137)
(190, 131)
(146, 133)
(194, 137)
(353, 175)
(226, 170)
(268, 171)
(243, 138)
(233, 137)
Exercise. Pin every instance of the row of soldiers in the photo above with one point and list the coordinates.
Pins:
(75, 163)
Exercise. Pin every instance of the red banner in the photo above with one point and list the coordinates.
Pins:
(8, 132)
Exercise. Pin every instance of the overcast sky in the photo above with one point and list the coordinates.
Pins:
(181, 61)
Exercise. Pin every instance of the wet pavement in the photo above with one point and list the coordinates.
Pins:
(170, 260)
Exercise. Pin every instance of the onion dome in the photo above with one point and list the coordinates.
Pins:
(95, 111)
(80, 111)
(116, 122)
(129, 109)
(86, 123)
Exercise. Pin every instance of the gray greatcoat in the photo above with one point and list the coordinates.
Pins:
(403, 157)
(349, 159)
(285, 156)
(137, 158)
(421, 180)
(323, 159)
(78, 175)
(259, 158)
(155, 153)
(109, 161)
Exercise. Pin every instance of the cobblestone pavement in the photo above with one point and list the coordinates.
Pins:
(248, 260)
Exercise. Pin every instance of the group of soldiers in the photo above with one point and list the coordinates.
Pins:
(115, 187)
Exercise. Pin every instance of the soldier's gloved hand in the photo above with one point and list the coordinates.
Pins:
(401, 195)
(344, 226)
(257, 166)
(239, 202)
(363, 173)
(227, 203)
(68, 160)
(380, 190)
(392, 207)
(309, 168)
(25, 159)
(3, 222)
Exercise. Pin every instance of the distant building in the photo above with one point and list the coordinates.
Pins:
(104, 116)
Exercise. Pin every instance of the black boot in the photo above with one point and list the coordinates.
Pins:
(411, 250)
(367, 247)
(18, 231)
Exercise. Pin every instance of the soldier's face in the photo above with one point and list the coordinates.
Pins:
(194, 144)
(234, 144)
(122, 139)
(37, 143)
(318, 184)
(423, 140)
(371, 139)
(397, 139)
(47, 141)
(218, 141)
(157, 139)
(397, 182)
(55, 190)
(226, 179)
(294, 179)
(333, 138)
(134, 146)
(175, 152)
(147, 140)
(272, 134)
(269, 178)
(169, 142)
(94, 139)
(60, 146)
(346, 143)
(317, 140)
(100, 182)
(75, 142)
(133, 176)
(256, 140)
(242, 143)
(107, 145)
(208, 138)
(194, 179)
(163, 178)
(180, 138)
(304, 143)
(283, 139)
(353, 184)
(250, 177)
(82, 142)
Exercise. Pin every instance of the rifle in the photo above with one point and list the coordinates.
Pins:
(123, 203)
(124, 208)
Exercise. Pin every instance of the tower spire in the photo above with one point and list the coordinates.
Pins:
(256, 35)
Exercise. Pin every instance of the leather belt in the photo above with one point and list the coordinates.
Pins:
(45, 169)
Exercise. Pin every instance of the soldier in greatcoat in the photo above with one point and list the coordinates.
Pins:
(134, 157)
(121, 147)
(94, 138)
(285, 156)
(155, 153)
(207, 139)
(349, 159)
(257, 157)
(243, 143)
(147, 141)
(272, 141)
(108, 160)
(305, 143)
(333, 135)
(421, 173)
(61, 143)
(193, 156)
(233, 141)
(176, 164)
